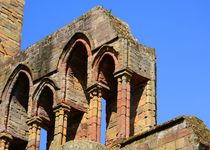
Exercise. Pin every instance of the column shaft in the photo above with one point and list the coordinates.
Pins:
(123, 104)
(34, 135)
(61, 116)
(94, 122)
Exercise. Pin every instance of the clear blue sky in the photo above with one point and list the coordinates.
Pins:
(178, 29)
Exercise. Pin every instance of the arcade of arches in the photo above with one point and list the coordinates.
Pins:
(36, 105)
(58, 85)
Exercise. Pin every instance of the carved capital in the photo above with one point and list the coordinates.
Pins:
(61, 106)
(123, 75)
(34, 120)
(95, 89)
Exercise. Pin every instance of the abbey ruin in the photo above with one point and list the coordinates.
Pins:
(58, 83)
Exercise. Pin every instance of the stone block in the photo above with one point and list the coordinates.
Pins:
(180, 143)
(170, 146)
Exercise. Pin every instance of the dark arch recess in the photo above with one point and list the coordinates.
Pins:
(105, 76)
(45, 112)
(18, 111)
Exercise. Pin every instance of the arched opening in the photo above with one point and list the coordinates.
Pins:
(45, 112)
(109, 93)
(77, 74)
(17, 112)
(76, 79)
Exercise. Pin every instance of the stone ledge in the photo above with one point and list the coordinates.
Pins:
(82, 145)
(196, 124)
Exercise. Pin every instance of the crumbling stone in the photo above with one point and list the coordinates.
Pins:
(58, 84)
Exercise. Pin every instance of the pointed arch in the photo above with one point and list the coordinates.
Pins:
(9, 87)
(46, 82)
(12, 79)
(76, 54)
(104, 66)
(78, 37)
(104, 51)
(44, 99)
(16, 98)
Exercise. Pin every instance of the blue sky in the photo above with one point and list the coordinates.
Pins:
(179, 30)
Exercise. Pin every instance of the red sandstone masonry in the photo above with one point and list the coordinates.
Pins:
(179, 133)
(58, 83)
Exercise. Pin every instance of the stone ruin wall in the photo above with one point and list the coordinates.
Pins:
(65, 75)
(10, 27)
(58, 84)
(181, 133)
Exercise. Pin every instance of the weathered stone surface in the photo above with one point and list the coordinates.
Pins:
(179, 133)
(58, 84)
(82, 145)
(11, 16)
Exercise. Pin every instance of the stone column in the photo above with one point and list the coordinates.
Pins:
(61, 115)
(34, 133)
(123, 103)
(150, 105)
(5, 139)
(94, 113)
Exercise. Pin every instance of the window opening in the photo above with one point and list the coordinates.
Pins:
(43, 139)
(103, 122)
